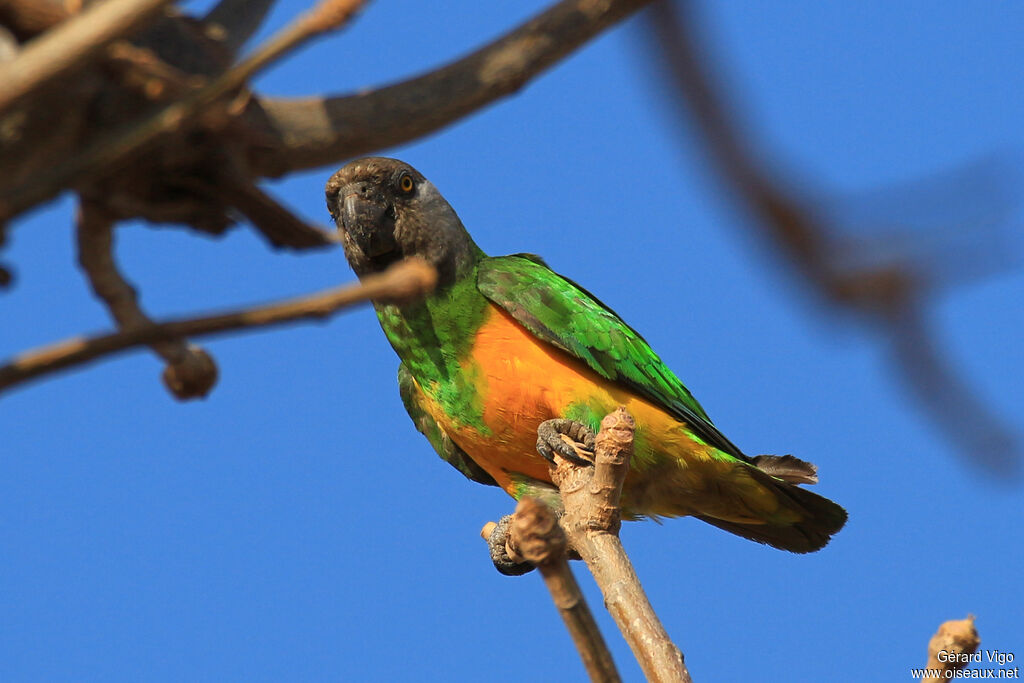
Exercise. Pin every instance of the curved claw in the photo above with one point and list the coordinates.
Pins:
(499, 554)
(550, 441)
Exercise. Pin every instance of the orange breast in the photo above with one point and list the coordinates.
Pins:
(526, 381)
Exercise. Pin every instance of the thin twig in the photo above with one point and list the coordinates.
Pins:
(71, 45)
(315, 131)
(591, 521)
(954, 639)
(403, 281)
(142, 70)
(191, 371)
(536, 536)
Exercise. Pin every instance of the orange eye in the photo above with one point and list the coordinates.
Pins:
(406, 184)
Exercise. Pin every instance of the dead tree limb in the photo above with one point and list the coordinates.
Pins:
(403, 281)
(954, 640)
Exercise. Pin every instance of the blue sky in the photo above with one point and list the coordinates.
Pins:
(294, 525)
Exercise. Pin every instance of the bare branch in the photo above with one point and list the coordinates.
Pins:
(191, 371)
(948, 399)
(71, 45)
(591, 521)
(954, 638)
(535, 536)
(238, 20)
(889, 294)
(316, 131)
(403, 281)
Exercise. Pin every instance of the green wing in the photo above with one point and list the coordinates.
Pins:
(438, 438)
(565, 315)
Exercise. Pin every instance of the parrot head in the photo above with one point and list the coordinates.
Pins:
(386, 210)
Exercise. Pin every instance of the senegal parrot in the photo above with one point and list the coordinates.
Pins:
(505, 351)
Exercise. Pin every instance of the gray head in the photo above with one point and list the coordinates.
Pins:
(386, 210)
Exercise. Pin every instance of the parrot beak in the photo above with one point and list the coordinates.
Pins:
(369, 224)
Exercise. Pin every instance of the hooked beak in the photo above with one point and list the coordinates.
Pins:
(368, 223)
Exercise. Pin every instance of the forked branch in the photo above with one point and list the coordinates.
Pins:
(591, 518)
(591, 521)
(534, 535)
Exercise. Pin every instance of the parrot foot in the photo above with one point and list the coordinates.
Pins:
(570, 439)
(499, 553)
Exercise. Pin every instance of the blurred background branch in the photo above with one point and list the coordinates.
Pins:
(884, 273)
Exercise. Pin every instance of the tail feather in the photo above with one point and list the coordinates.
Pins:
(787, 468)
(821, 518)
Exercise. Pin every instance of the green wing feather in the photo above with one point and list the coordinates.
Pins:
(438, 438)
(563, 314)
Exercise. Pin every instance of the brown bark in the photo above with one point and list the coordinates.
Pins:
(591, 521)
(190, 371)
(114, 150)
(71, 45)
(536, 536)
(28, 18)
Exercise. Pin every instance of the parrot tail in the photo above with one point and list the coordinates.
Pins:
(821, 518)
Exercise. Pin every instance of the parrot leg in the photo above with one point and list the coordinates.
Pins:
(499, 553)
(570, 439)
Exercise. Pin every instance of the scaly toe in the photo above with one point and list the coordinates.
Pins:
(550, 441)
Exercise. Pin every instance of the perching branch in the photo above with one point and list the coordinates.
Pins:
(314, 131)
(71, 45)
(535, 536)
(954, 638)
(591, 521)
(190, 371)
(403, 281)
(591, 517)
